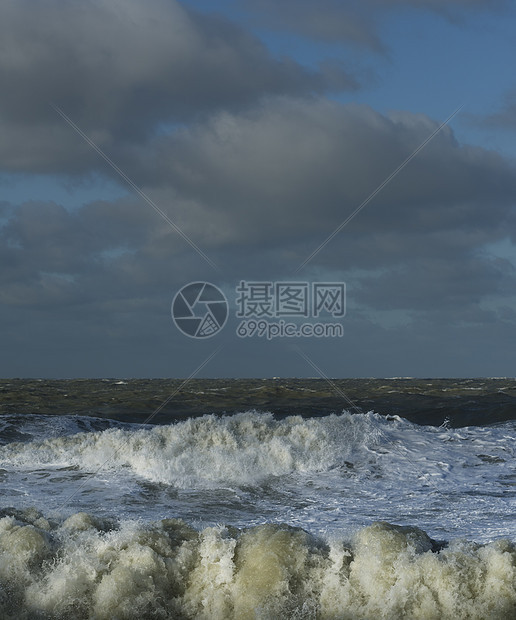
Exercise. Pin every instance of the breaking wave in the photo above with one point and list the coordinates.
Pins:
(210, 451)
(86, 567)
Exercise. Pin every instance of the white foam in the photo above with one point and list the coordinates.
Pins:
(87, 568)
(210, 451)
(319, 473)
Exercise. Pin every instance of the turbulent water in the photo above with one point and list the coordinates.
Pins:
(296, 509)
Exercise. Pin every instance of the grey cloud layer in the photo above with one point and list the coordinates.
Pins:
(265, 186)
(243, 151)
(120, 69)
(294, 168)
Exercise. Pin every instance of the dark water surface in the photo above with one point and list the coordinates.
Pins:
(457, 402)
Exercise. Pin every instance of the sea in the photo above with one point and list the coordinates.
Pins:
(258, 499)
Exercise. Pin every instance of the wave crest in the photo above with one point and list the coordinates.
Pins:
(210, 451)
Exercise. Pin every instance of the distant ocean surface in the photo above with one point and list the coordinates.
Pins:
(258, 499)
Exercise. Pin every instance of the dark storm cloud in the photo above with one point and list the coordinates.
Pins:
(259, 189)
(120, 69)
(296, 169)
(454, 285)
(242, 154)
(102, 251)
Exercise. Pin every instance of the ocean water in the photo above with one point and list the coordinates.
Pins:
(218, 509)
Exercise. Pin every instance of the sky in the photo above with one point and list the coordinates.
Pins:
(271, 148)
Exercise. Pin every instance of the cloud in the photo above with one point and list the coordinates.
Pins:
(454, 286)
(295, 169)
(258, 190)
(123, 69)
(327, 20)
(246, 153)
(505, 117)
(354, 22)
(104, 250)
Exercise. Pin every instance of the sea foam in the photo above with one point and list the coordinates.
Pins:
(210, 451)
(85, 567)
